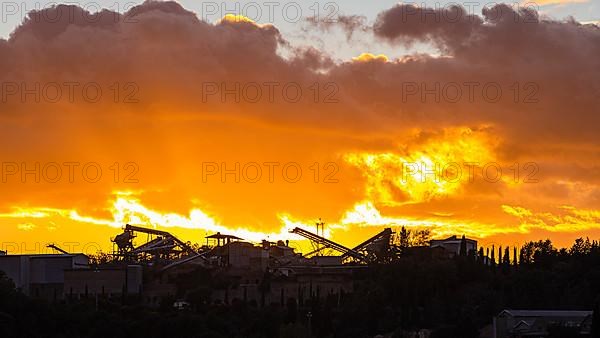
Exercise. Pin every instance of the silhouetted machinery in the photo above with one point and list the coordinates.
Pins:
(374, 249)
(56, 248)
(159, 245)
(377, 248)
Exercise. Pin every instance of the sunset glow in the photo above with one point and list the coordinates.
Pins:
(237, 125)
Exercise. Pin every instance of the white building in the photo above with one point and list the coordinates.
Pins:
(452, 245)
(536, 323)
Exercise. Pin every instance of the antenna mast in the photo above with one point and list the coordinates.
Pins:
(320, 224)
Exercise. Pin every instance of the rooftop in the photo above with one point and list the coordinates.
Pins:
(545, 313)
(452, 238)
(218, 235)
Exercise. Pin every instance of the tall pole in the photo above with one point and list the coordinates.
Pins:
(309, 316)
(320, 224)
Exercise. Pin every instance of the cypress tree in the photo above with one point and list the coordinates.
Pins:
(506, 260)
(500, 254)
(463, 246)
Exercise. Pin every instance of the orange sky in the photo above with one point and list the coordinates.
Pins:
(368, 134)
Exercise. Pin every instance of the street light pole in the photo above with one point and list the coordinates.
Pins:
(309, 316)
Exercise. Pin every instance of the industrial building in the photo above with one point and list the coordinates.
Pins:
(106, 282)
(41, 275)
